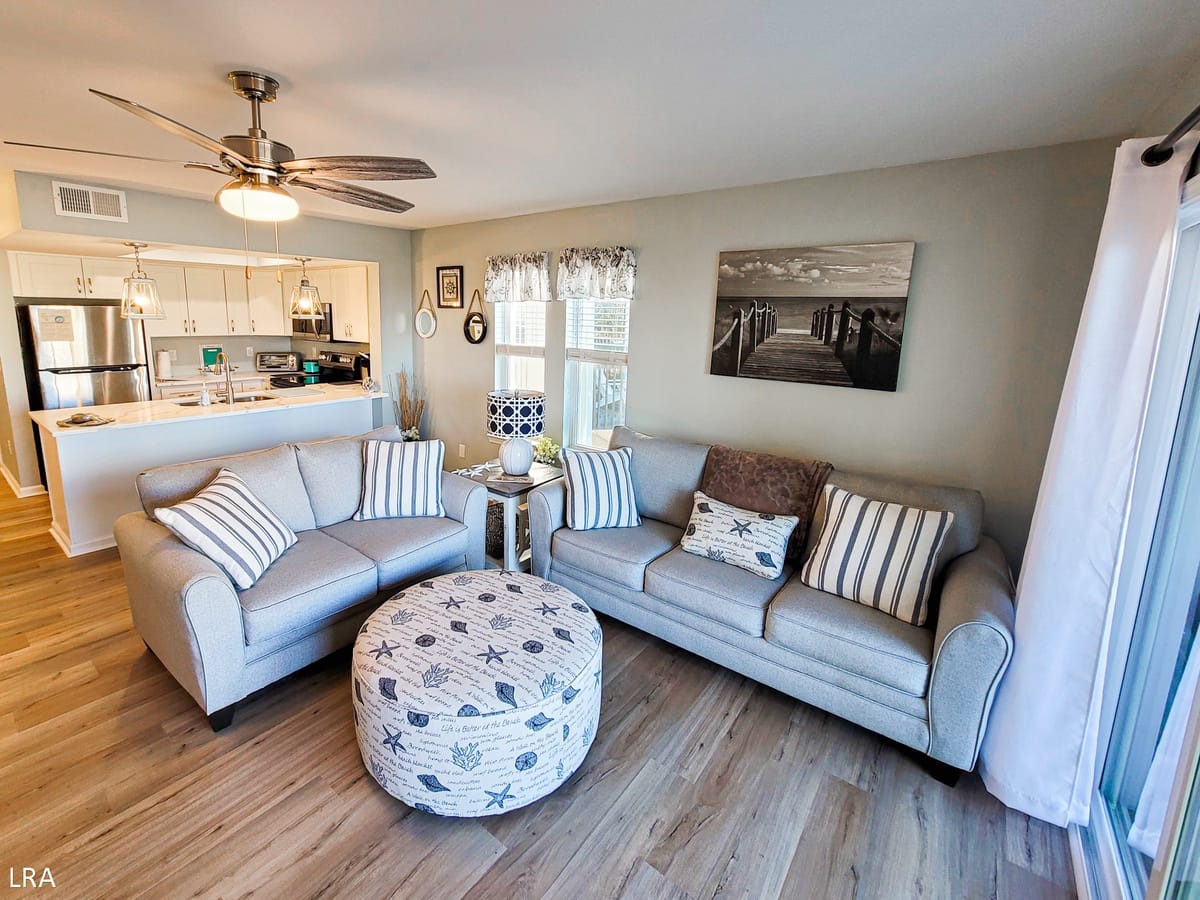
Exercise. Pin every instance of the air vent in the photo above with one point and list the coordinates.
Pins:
(82, 201)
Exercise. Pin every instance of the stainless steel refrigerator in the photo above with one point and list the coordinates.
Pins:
(82, 356)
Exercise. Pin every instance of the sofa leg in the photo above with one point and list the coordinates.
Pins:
(943, 772)
(222, 718)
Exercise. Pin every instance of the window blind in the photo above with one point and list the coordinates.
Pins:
(598, 330)
(520, 329)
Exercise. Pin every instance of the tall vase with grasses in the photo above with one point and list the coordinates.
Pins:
(408, 400)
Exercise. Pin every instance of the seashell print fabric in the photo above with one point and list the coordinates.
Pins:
(476, 693)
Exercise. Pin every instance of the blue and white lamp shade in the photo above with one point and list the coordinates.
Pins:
(516, 414)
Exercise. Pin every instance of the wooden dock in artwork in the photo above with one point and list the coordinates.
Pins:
(796, 356)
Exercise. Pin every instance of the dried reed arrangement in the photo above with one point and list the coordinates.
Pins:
(409, 402)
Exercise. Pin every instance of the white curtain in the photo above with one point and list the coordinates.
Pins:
(517, 278)
(1156, 792)
(1039, 755)
(596, 273)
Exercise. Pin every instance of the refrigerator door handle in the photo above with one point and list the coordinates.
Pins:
(83, 370)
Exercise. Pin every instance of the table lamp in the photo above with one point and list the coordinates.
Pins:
(516, 416)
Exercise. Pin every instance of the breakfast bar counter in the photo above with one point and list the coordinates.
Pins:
(90, 471)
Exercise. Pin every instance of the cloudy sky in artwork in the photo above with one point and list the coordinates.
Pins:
(848, 270)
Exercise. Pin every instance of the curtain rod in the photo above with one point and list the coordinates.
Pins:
(1159, 153)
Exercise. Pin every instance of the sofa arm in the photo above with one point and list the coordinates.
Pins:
(547, 514)
(186, 610)
(971, 650)
(466, 501)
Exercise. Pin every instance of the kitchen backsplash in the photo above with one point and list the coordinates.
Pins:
(187, 349)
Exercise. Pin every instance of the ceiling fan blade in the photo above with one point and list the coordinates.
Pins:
(360, 168)
(352, 193)
(176, 128)
(178, 162)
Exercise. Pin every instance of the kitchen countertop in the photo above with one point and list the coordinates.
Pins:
(158, 412)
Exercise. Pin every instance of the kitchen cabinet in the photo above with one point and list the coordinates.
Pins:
(348, 293)
(104, 279)
(186, 389)
(262, 299)
(172, 293)
(207, 311)
(47, 275)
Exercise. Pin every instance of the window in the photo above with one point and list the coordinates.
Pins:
(520, 346)
(597, 370)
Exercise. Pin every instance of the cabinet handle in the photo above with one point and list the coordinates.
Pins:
(252, 328)
(78, 285)
(185, 326)
(193, 326)
(91, 289)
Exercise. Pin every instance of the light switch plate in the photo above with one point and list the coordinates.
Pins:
(462, 451)
(249, 353)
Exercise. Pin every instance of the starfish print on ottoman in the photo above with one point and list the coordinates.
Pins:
(492, 654)
(452, 603)
(383, 650)
(392, 741)
(547, 610)
(498, 797)
(741, 529)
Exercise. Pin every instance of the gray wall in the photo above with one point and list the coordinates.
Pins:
(162, 219)
(1004, 250)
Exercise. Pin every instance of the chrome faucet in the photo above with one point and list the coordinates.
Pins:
(222, 364)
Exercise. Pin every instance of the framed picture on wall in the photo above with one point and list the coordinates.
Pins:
(449, 287)
(830, 315)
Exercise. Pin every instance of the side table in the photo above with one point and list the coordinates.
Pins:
(510, 495)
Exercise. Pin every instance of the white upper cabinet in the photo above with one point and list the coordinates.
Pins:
(348, 293)
(262, 297)
(206, 300)
(172, 293)
(48, 275)
(104, 279)
(237, 305)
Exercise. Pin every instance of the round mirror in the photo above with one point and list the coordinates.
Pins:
(425, 323)
(475, 328)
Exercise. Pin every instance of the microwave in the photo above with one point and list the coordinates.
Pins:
(315, 329)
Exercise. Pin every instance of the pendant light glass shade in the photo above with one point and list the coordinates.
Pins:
(257, 201)
(139, 295)
(306, 299)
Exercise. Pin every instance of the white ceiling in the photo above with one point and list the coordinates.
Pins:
(528, 105)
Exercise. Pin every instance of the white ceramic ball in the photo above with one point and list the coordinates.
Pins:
(516, 456)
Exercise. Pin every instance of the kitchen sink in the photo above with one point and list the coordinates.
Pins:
(220, 401)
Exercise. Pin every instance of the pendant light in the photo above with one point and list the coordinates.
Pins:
(139, 296)
(306, 299)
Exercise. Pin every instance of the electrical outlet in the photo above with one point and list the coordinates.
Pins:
(462, 451)
(174, 356)
(249, 353)
(10, 448)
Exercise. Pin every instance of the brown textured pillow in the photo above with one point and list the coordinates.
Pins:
(767, 484)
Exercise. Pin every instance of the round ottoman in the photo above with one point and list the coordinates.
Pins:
(476, 693)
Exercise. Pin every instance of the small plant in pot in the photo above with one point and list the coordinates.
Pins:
(408, 401)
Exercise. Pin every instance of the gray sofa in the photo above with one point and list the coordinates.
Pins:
(221, 643)
(929, 688)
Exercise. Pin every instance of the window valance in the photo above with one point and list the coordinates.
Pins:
(517, 278)
(596, 273)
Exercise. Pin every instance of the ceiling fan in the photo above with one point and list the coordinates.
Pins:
(260, 167)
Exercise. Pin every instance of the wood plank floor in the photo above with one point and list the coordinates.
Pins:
(700, 783)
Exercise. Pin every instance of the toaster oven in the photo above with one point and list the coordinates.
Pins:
(278, 361)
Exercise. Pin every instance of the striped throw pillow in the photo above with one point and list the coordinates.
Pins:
(401, 478)
(879, 554)
(231, 526)
(599, 489)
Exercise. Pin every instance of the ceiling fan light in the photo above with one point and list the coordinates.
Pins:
(257, 202)
(306, 302)
(139, 298)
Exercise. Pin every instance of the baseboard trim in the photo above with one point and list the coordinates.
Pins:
(19, 489)
(70, 549)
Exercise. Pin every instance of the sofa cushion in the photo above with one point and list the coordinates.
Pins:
(599, 489)
(756, 542)
(401, 479)
(618, 554)
(231, 526)
(404, 548)
(317, 578)
(853, 637)
(332, 471)
(766, 483)
(272, 475)
(718, 591)
(666, 473)
(967, 506)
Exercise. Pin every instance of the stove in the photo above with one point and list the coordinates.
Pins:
(342, 368)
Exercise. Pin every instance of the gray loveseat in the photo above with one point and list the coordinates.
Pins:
(929, 688)
(222, 644)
